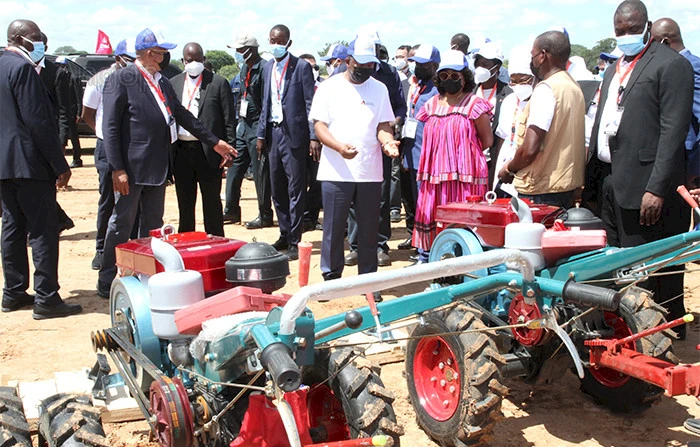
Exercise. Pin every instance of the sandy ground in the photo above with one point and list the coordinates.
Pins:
(555, 415)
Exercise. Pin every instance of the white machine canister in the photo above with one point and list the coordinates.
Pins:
(170, 292)
(525, 235)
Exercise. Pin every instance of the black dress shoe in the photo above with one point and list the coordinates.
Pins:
(77, 163)
(102, 291)
(13, 304)
(377, 297)
(414, 258)
(42, 312)
(280, 244)
(258, 223)
(97, 261)
(232, 218)
(383, 259)
(692, 425)
(308, 225)
(350, 258)
(293, 253)
(406, 245)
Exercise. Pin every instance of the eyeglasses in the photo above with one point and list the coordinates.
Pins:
(455, 76)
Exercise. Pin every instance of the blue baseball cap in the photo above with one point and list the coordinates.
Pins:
(453, 60)
(426, 53)
(126, 47)
(363, 50)
(336, 51)
(149, 39)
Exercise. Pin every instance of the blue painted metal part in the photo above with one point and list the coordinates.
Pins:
(604, 263)
(455, 242)
(262, 336)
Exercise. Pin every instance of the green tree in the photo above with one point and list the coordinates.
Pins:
(219, 59)
(66, 49)
(229, 71)
(178, 63)
(591, 55)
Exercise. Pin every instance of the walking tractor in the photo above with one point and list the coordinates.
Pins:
(216, 357)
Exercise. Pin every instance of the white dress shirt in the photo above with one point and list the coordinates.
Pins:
(164, 110)
(190, 99)
(279, 71)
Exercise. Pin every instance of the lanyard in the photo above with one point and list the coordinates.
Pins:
(281, 79)
(158, 91)
(194, 92)
(512, 128)
(493, 92)
(247, 83)
(627, 72)
(415, 97)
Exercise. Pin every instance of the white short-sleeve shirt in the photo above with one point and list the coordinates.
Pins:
(353, 113)
(542, 105)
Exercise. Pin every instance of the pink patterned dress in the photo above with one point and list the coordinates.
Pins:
(452, 163)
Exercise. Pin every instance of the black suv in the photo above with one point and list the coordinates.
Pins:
(95, 63)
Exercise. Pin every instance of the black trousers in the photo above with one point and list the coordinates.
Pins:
(248, 155)
(29, 212)
(190, 168)
(74, 138)
(337, 198)
(288, 181)
(313, 192)
(384, 233)
(624, 229)
(409, 196)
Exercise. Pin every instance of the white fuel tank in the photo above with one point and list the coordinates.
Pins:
(525, 235)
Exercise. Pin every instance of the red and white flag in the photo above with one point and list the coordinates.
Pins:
(103, 45)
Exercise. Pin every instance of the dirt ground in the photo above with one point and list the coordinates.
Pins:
(555, 415)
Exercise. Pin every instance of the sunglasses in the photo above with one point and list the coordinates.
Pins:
(314, 67)
(455, 76)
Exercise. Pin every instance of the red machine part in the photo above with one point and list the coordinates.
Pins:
(326, 412)
(174, 423)
(436, 377)
(616, 355)
(239, 299)
(612, 378)
(488, 220)
(520, 311)
(201, 252)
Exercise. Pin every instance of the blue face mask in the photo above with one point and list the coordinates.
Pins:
(278, 51)
(240, 60)
(632, 44)
(38, 52)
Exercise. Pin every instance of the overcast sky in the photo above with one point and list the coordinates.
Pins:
(214, 23)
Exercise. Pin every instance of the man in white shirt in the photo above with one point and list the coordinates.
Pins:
(352, 118)
(92, 115)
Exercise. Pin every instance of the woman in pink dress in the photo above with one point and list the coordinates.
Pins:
(452, 163)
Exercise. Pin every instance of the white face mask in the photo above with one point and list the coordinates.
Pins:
(412, 66)
(522, 91)
(400, 64)
(482, 75)
(315, 74)
(194, 68)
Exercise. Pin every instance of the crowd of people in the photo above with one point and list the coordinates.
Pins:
(420, 129)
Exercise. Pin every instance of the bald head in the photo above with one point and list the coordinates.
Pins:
(193, 52)
(22, 28)
(666, 31)
(632, 7)
(557, 44)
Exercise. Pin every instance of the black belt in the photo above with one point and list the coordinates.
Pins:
(274, 124)
(190, 143)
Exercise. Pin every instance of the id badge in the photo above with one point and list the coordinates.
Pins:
(409, 128)
(244, 108)
(614, 124)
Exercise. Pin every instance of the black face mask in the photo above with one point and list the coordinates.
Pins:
(165, 62)
(359, 75)
(452, 87)
(423, 73)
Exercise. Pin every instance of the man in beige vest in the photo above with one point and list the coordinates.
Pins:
(549, 164)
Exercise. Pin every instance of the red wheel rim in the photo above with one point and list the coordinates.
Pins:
(325, 411)
(606, 376)
(171, 410)
(436, 378)
(522, 312)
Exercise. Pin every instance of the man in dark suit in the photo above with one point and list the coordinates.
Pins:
(640, 128)
(488, 62)
(207, 96)
(284, 132)
(140, 119)
(31, 166)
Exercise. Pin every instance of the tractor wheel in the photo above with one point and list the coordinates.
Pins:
(347, 399)
(453, 380)
(617, 391)
(70, 420)
(14, 430)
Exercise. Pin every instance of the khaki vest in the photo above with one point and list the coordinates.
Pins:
(561, 163)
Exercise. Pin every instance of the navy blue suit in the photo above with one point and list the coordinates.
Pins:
(137, 140)
(287, 143)
(31, 158)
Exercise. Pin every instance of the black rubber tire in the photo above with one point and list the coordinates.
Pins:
(70, 420)
(479, 363)
(639, 313)
(14, 430)
(355, 381)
